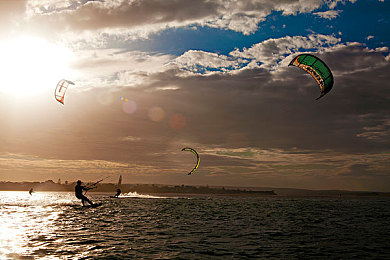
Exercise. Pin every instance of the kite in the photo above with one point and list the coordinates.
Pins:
(61, 88)
(197, 158)
(317, 69)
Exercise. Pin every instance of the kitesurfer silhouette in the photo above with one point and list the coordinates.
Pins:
(31, 191)
(79, 193)
(118, 192)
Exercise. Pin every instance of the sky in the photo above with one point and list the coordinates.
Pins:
(152, 77)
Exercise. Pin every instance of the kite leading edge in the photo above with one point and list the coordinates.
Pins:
(317, 69)
(197, 158)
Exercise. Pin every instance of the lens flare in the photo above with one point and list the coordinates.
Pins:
(129, 107)
(156, 114)
(177, 121)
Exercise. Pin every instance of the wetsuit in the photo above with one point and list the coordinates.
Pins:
(79, 194)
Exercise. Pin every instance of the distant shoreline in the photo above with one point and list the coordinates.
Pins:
(139, 188)
(186, 189)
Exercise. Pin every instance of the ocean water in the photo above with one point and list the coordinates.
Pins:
(55, 226)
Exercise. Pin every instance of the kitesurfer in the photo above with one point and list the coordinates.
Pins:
(31, 191)
(79, 193)
(118, 192)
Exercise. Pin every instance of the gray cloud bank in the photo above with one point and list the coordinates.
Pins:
(143, 17)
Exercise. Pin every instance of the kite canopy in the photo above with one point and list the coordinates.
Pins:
(197, 158)
(317, 69)
(62, 86)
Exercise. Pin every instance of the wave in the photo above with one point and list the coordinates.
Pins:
(143, 196)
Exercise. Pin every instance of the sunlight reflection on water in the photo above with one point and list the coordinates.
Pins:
(26, 222)
(134, 226)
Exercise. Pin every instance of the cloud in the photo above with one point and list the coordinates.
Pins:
(376, 128)
(248, 96)
(140, 18)
(382, 49)
(130, 139)
(114, 67)
(268, 55)
(330, 14)
(279, 161)
(23, 166)
(366, 169)
(118, 68)
(271, 52)
(11, 13)
(284, 167)
(96, 15)
(205, 62)
(242, 90)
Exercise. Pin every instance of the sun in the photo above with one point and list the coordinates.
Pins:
(31, 66)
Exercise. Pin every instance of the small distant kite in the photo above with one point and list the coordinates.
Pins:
(197, 158)
(317, 69)
(61, 88)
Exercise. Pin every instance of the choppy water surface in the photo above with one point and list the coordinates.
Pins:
(54, 225)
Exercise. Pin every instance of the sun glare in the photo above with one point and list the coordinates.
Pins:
(31, 66)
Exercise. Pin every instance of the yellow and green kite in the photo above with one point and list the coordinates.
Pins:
(197, 158)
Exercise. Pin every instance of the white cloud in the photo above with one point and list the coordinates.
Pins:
(266, 55)
(130, 139)
(273, 51)
(382, 49)
(206, 62)
(333, 3)
(331, 14)
(114, 67)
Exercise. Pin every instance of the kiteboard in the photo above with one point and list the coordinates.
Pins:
(95, 205)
